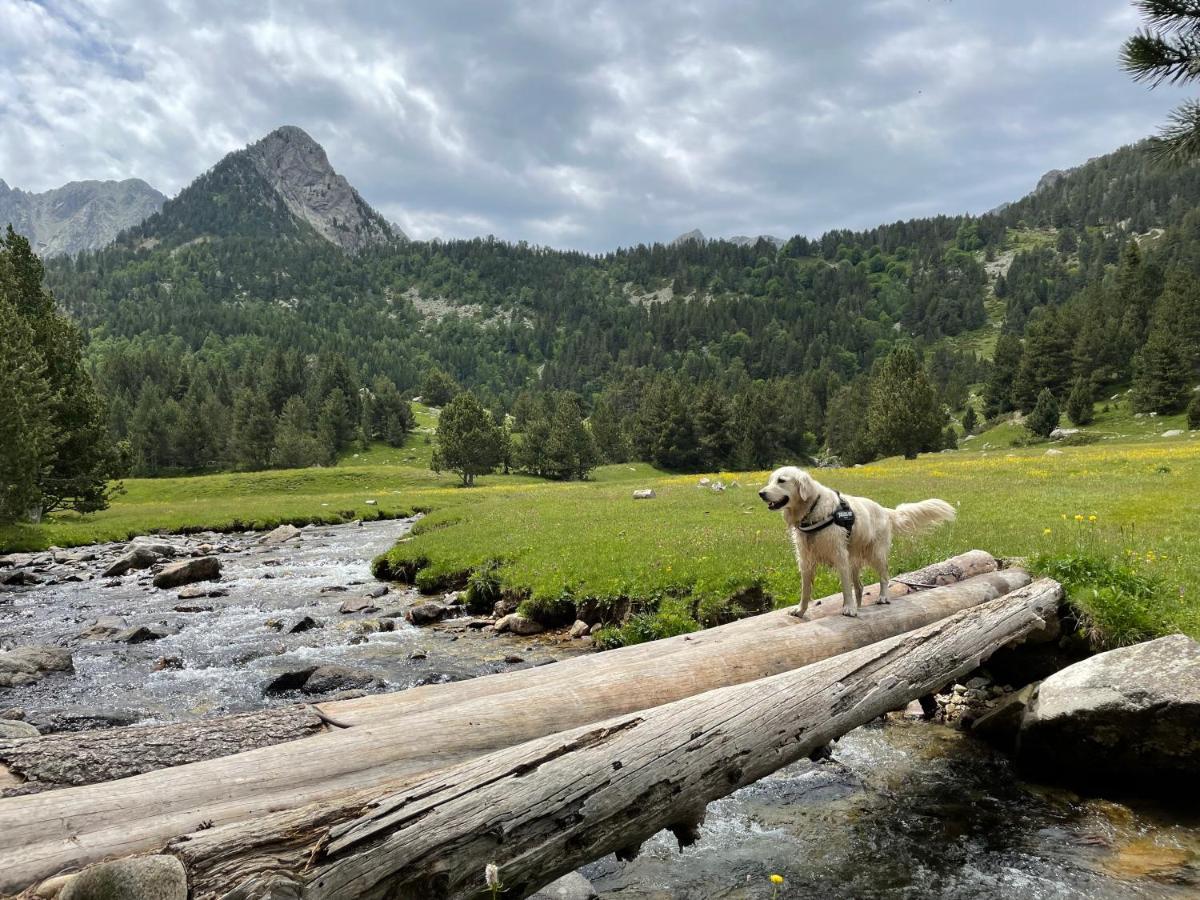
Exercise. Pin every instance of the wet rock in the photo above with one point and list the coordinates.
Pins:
(358, 604)
(140, 634)
(418, 653)
(204, 568)
(337, 678)
(512, 659)
(25, 665)
(280, 535)
(167, 662)
(425, 613)
(334, 589)
(380, 590)
(154, 546)
(572, 886)
(137, 558)
(518, 624)
(478, 624)
(19, 577)
(289, 681)
(1000, 725)
(15, 713)
(503, 607)
(192, 592)
(392, 612)
(137, 878)
(579, 629)
(218, 592)
(11, 729)
(1128, 714)
(103, 628)
(304, 624)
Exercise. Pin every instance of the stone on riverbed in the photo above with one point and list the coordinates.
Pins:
(425, 613)
(137, 878)
(358, 604)
(579, 629)
(280, 535)
(205, 568)
(10, 730)
(572, 886)
(140, 634)
(518, 624)
(137, 558)
(25, 665)
(103, 628)
(1128, 714)
(321, 680)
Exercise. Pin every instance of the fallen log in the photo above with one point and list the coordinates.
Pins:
(544, 807)
(90, 757)
(44, 833)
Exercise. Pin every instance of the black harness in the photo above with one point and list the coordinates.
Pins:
(843, 517)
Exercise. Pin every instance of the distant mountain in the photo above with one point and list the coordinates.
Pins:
(80, 215)
(742, 240)
(281, 186)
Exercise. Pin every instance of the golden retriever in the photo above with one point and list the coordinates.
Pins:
(817, 536)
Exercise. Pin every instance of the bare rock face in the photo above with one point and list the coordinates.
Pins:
(80, 215)
(1130, 713)
(299, 171)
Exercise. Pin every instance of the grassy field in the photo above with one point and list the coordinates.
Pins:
(1117, 520)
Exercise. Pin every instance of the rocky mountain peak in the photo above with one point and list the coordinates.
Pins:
(298, 170)
(80, 215)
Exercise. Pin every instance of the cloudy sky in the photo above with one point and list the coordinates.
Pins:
(586, 125)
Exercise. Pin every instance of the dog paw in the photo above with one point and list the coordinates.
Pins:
(851, 612)
(798, 612)
(883, 601)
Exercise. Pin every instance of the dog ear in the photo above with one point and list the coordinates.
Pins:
(804, 486)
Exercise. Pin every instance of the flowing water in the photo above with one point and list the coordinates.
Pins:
(902, 810)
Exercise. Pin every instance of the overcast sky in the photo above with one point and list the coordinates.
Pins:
(586, 125)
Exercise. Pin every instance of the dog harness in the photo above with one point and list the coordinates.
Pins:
(843, 516)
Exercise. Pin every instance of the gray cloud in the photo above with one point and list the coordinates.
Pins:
(587, 125)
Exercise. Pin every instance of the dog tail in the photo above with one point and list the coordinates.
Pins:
(913, 518)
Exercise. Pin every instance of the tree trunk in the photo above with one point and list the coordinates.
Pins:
(544, 807)
(42, 834)
(88, 757)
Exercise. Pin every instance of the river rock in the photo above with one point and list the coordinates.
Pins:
(289, 681)
(279, 535)
(138, 878)
(1130, 713)
(25, 665)
(518, 624)
(337, 678)
(358, 604)
(103, 628)
(154, 546)
(204, 568)
(418, 653)
(10, 729)
(306, 623)
(19, 577)
(380, 590)
(140, 634)
(571, 886)
(192, 592)
(1001, 724)
(137, 558)
(425, 613)
(579, 629)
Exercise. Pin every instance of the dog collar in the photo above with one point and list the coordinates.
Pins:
(842, 516)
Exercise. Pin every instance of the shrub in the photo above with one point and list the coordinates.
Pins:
(483, 588)
(1045, 415)
(1105, 589)
(1193, 412)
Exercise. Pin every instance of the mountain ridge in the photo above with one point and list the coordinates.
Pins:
(79, 215)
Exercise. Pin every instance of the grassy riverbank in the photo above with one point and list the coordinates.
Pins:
(1115, 520)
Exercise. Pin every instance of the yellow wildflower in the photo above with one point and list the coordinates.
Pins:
(1046, 531)
(1091, 518)
(1078, 518)
(776, 879)
(1064, 516)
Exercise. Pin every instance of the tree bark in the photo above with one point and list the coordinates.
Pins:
(544, 807)
(42, 834)
(89, 757)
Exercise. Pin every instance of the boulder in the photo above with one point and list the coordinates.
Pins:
(103, 628)
(518, 624)
(204, 568)
(324, 679)
(194, 591)
(579, 629)
(136, 878)
(1172, 432)
(279, 535)
(18, 577)
(380, 590)
(425, 613)
(306, 623)
(137, 558)
(1000, 725)
(154, 546)
(571, 886)
(10, 730)
(1059, 433)
(140, 634)
(25, 665)
(1128, 714)
(644, 494)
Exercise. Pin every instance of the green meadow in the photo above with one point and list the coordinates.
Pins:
(1117, 520)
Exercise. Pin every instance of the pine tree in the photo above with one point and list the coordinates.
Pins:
(1044, 417)
(970, 420)
(1168, 52)
(26, 440)
(1079, 404)
(296, 446)
(998, 391)
(570, 451)
(1161, 376)
(846, 423)
(904, 415)
(612, 443)
(252, 434)
(469, 442)
(149, 431)
(1193, 412)
(713, 422)
(438, 388)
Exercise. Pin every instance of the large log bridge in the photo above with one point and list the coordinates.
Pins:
(274, 806)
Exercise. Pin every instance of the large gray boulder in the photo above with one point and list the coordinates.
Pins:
(25, 665)
(518, 624)
(137, 878)
(1129, 714)
(137, 558)
(205, 568)
(280, 535)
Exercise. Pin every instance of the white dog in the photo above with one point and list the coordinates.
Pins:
(844, 532)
